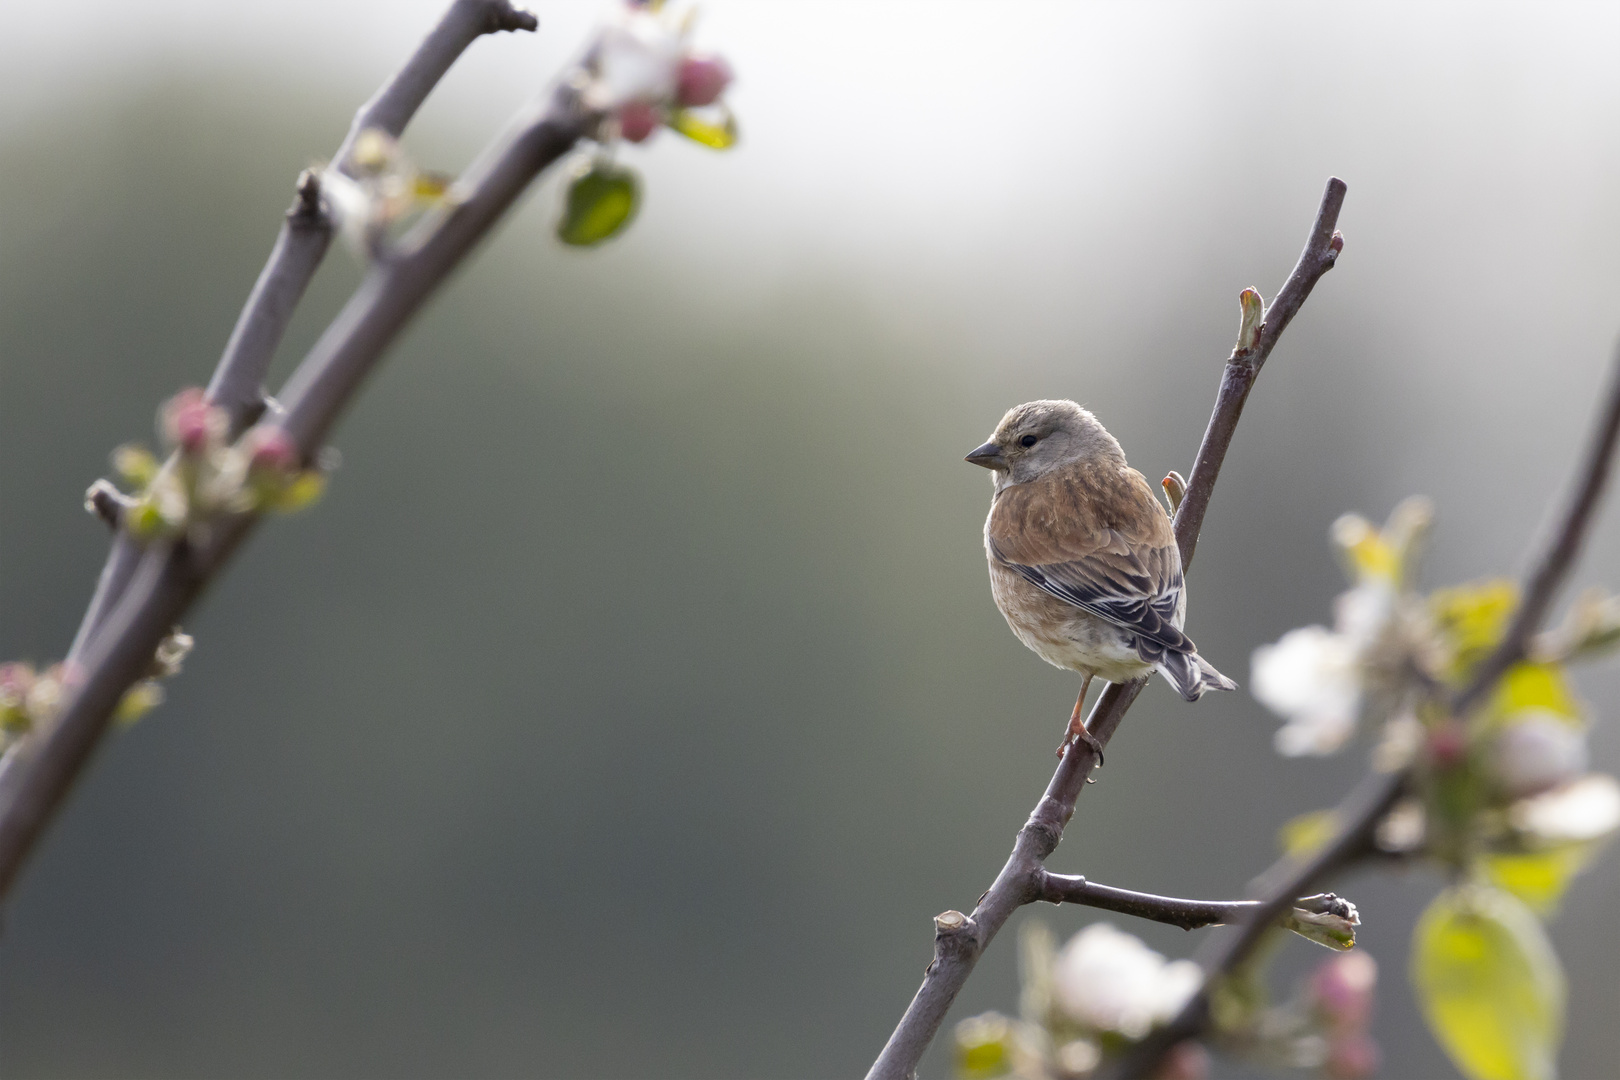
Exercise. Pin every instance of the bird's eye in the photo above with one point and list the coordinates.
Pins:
(1028, 440)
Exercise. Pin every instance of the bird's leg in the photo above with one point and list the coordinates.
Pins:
(1077, 726)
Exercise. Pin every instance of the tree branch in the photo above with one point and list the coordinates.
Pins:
(1365, 807)
(1187, 914)
(958, 947)
(300, 246)
(167, 577)
(1558, 558)
(392, 106)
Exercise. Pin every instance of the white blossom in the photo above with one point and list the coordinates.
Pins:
(1314, 677)
(1109, 980)
(1079, 1057)
(1404, 828)
(639, 59)
(1586, 809)
(1362, 615)
(1310, 678)
(1538, 751)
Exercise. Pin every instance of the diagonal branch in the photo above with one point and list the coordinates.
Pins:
(167, 577)
(959, 942)
(300, 246)
(1556, 562)
(1358, 816)
(238, 382)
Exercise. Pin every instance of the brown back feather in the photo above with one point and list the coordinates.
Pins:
(1081, 510)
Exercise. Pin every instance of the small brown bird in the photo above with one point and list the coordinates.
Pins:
(1083, 562)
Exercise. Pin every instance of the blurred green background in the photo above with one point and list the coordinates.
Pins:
(635, 696)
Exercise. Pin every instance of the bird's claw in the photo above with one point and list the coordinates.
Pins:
(1078, 733)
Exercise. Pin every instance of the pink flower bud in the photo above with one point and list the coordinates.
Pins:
(1448, 743)
(702, 80)
(273, 450)
(1185, 1061)
(1342, 988)
(15, 682)
(1352, 1057)
(638, 120)
(191, 423)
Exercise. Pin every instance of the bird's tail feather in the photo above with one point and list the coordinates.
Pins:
(1191, 674)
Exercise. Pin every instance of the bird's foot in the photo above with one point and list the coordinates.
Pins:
(1078, 733)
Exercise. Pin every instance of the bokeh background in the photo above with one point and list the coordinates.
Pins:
(636, 696)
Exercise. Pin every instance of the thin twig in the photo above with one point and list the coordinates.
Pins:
(1359, 814)
(960, 942)
(1365, 807)
(168, 577)
(1187, 914)
(392, 106)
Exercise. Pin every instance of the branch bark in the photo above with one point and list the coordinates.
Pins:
(958, 947)
(1365, 807)
(1559, 557)
(164, 579)
(1187, 914)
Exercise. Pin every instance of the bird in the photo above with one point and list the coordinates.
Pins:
(1083, 560)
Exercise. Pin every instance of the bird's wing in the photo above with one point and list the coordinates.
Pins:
(1094, 536)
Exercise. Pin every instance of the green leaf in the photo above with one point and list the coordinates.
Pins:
(1366, 552)
(600, 203)
(721, 136)
(137, 701)
(301, 491)
(1539, 878)
(1490, 984)
(983, 1047)
(1473, 619)
(1305, 835)
(135, 464)
(1536, 687)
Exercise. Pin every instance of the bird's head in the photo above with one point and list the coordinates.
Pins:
(1039, 436)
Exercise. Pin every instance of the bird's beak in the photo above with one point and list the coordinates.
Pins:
(988, 456)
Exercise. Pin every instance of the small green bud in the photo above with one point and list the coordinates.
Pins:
(1175, 489)
(1252, 310)
(137, 701)
(135, 464)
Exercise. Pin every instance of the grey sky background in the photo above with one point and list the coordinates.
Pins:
(635, 696)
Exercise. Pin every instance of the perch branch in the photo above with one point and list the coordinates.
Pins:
(958, 946)
(1187, 914)
(167, 577)
(1358, 816)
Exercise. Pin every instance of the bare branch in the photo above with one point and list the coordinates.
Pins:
(1559, 557)
(1365, 807)
(1021, 879)
(300, 246)
(238, 381)
(1187, 914)
(166, 578)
